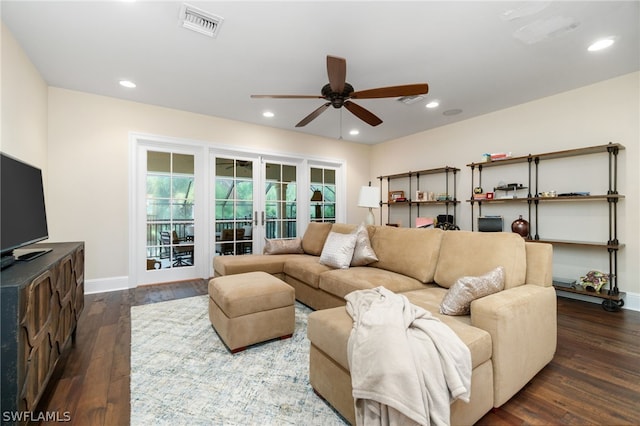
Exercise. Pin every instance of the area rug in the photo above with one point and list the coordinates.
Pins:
(182, 374)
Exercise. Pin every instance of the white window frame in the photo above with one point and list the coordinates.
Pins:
(204, 152)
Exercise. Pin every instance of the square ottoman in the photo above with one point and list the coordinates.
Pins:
(250, 308)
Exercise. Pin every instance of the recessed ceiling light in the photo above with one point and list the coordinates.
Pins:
(268, 114)
(128, 84)
(354, 132)
(433, 104)
(601, 44)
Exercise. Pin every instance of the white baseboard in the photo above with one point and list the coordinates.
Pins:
(104, 285)
(631, 300)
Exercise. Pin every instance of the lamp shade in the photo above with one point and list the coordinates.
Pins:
(316, 196)
(369, 197)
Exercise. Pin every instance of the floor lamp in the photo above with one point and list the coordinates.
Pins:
(370, 198)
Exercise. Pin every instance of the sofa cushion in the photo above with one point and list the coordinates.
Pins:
(344, 281)
(283, 246)
(409, 251)
(315, 236)
(457, 300)
(306, 269)
(477, 340)
(338, 250)
(329, 329)
(343, 228)
(466, 253)
(230, 265)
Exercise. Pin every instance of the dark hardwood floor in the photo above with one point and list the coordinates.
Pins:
(594, 378)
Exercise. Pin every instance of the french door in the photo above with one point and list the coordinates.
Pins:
(190, 202)
(168, 201)
(253, 198)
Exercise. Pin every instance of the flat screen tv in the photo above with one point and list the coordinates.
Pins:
(24, 219)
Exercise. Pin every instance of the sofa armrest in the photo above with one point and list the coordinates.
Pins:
(522, 322)
(539, 264)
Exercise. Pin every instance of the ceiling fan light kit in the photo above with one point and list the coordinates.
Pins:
(338, 93)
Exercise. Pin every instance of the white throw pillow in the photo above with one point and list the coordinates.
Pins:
(338, 250)
(457, 300)
(363, 253)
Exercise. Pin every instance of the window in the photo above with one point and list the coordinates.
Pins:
(322, 195)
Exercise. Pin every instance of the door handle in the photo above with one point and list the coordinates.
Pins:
(263, 218)
(255, 218)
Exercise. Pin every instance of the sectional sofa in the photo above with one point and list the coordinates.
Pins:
(511, 333)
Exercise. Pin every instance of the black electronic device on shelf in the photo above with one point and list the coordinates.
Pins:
(24, 218)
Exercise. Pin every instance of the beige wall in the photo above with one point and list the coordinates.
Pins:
(24, 105)
(81, 142)
(592, 115)
(89, 161)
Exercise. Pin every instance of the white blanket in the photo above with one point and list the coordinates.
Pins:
(407, 367)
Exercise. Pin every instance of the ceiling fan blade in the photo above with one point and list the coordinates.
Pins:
(288, 96)
(362, 113)
(392, 91)
(309, 118)
(337, 72)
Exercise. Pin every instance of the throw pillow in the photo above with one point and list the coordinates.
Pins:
(338, 250)
(283, 246)
(363, 253)
(315, 236)
(457, 300)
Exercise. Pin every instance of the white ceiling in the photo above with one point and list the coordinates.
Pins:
(468, 52)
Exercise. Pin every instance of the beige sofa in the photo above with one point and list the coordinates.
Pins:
(511, 334)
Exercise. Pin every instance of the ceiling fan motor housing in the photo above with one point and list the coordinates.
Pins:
(337, 99)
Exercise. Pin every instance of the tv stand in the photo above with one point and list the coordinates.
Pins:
(41, 302)
(7, 261)
(30, 253)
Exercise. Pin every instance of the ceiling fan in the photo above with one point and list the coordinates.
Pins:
(338, 94)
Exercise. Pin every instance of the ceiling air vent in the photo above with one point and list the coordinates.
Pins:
(412, 99)
(200, 21)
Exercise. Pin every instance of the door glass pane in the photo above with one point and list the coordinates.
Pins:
(322, 195)
(233, 207)
(281, 200)
(170, 210)
(158, 161)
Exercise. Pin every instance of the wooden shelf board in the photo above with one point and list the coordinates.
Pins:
(579, 197)
(577, 243)
(420, 172)
(550, 155)
(602, 294)
(435, 202)
(499, 200)
(551, 199)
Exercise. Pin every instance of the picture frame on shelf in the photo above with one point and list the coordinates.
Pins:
(421, 196)
(396, 196)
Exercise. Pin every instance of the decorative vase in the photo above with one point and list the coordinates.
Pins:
(521, 227)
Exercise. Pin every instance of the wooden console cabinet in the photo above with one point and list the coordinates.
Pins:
(41, 302)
